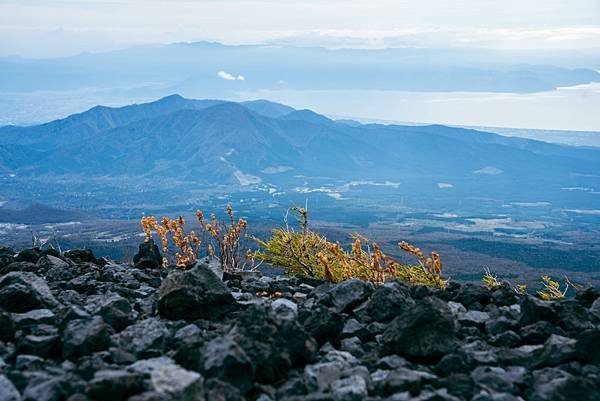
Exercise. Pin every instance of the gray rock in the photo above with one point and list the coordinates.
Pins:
(473, 318)
(33, 317)
(56, 388)
(487, 396)
(8, 391)
(194, 294)
(388, 382)
(352, 345)
(24, 291)
(497, 379)
(595, 308)
(115, 385)
(84, 336)
(44, 345)
(350, 293)
(29, 362)
(225, 360)
(426, 330)
(148, 256)
(553, 384)
(534, 309)
(437, 395)
(114, 309)
(48, 262)
(321, 376)
(353, 388)
(388, 301)
(146, 338)
(557, 350)
(147, 366)
(177, 384)
(285, 309)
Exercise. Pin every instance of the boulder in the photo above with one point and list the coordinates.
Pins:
(389, 382)
(7, 327)
(194, 294)
(322, 323)
(115, 385)
(33, 318)
(146, 338)
(24, 291)
(557, 350)
(534, 309)
(352, 388)
(388, 301)
(82, 256)
(169, 380)
(273, 345)
(8, 391)
(85, 336)
(148, 256)
(588, 346)
(225, 360)
(44, 344)
(349, 293)
(425, 331)
(114, 309)
(472, 296)
(30, 255)
(55, 388)
(553, 384)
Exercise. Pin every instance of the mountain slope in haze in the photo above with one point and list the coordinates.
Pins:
(225, 143)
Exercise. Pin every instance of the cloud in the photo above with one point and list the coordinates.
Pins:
(230, 77)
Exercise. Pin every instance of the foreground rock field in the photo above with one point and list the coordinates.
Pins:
(77, 328)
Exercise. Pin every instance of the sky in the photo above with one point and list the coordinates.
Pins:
(49, 28)
(57, 28)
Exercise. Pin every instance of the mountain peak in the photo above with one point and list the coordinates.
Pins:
(174, 98)
(308, 116)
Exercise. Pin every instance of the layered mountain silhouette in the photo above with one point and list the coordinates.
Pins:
(228, 143)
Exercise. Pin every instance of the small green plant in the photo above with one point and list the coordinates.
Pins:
(306, 252)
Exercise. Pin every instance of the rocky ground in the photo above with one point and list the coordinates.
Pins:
(77, 328)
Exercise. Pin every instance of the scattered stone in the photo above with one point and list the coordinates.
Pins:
(77, 328)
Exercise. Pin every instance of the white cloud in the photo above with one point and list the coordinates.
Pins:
(230, 77)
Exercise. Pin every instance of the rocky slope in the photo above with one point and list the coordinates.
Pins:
(77, 328)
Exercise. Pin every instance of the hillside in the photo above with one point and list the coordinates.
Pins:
(218, 142)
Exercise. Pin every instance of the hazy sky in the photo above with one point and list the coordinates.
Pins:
(41, 28)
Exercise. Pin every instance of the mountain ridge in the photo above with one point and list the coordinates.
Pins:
(231, 143)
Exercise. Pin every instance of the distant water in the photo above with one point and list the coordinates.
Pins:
(566, 115)
(571, 108)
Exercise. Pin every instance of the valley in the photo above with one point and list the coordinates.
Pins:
(518, 206)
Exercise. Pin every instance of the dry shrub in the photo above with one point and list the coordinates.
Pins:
(306, 252)
(221, 239)
(490, 281)
(551, 289)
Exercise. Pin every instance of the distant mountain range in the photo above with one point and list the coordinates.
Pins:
(194, 66)
(217, 142)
